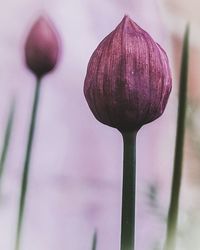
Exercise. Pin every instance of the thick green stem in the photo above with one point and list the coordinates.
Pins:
(128, 192)
(25, 177)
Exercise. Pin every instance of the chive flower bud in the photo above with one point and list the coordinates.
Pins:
(42, 47)
(128, 78)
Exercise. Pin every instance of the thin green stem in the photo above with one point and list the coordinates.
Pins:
(170, 243)
(25, 176)
(128, 192)
(7, 136)
(94, 241)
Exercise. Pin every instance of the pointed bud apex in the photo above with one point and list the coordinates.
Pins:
(42, 47)
(128, 79)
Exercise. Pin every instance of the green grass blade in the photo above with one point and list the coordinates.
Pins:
(178, 160)
(7, 137)
(94, 241)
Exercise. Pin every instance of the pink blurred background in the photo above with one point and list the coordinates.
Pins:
(76, 167)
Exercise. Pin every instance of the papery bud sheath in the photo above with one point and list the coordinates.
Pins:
(128, 79)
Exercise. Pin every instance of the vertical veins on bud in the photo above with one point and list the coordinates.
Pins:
(128, 78)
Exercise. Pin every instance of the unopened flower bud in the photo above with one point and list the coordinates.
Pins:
(128, 79)
(42, 47)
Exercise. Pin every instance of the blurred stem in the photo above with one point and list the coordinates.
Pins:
(7, 135)
(24, 181)
(170, 243)
(128, 192)
(94, 241)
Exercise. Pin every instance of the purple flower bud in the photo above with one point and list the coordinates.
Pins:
(42, 47)
(128, 79)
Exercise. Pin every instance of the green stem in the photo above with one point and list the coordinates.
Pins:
(94, 241)
(7, 138)
(170, 243)
(24, 182)
(128, 192)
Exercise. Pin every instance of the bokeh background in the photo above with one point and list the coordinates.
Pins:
(76, 167)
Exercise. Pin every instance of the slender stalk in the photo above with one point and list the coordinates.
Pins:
(7, 135)
(128, 192)
(170, 243)
(94, 241)
(25, 176)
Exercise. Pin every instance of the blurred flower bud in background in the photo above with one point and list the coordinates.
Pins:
(128, 80)
(42, 47)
